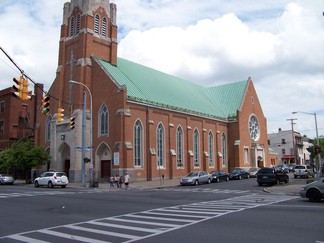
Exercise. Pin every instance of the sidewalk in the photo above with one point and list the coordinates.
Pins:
(292, 188)
(157, 184)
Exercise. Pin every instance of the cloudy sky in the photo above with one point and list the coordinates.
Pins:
(278, 43)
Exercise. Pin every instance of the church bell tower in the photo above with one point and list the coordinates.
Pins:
(88, 29)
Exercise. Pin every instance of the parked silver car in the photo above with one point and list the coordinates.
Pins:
(6, 179)
(313, 191)
(51, 179)
(196, 178)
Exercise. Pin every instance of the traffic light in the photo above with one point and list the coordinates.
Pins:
(45, 104)
(18, 87)
(25, 92)
(72, 122)
(60, 115)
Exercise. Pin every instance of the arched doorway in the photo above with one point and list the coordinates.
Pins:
(260, 162)
(104, 160)
(63, 164)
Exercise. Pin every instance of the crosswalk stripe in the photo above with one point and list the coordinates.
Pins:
(102, 232)
(175, 214)
(125, 227)
(159, 218)
(144, 222)
(21, 238)
(70, 237)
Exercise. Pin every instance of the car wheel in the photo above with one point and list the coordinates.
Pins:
(50, 184)
(227, 179)
(36, 184)
(314, 195)
(248, 177)
(208, 181)
(240, 177)
(287, 180)
(260, 184)
(196, 182)
(217, 179)
(295, 176)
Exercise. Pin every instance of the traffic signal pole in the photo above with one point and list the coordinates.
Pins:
(83, 184)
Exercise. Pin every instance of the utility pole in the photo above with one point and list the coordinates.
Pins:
(293, 137)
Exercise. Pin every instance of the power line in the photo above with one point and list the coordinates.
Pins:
(24, 74)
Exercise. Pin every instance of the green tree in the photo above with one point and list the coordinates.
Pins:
(23, 155)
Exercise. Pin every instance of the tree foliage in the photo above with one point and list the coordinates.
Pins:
(24, 155)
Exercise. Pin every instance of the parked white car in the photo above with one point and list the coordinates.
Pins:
(303, 171)
(51, 179)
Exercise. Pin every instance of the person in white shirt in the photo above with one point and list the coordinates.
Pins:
(126, 181)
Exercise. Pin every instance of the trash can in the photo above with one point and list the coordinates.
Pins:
(95, 184)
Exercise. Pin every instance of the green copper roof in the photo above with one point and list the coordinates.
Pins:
(149, 86)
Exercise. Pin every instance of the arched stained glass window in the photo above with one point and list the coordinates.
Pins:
(211, 149)
(196, 148)
(179, 147)
(138, 144)
(104, 120)
(160, 145)
(224, 150)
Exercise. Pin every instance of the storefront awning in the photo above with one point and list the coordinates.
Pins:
(288, 157)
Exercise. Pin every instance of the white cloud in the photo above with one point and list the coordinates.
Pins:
(278, 43)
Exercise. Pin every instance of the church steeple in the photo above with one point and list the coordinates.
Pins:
(88, 29)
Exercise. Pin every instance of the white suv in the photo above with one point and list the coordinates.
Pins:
(303, 171)
(51, 179)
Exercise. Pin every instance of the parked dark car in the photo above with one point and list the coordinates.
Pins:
(219, 175)
(238, 174)
(271, 176)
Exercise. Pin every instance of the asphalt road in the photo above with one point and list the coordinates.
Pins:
(237, 211)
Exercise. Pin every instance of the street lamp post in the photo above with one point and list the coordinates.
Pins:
(317, 138)
(90, 95)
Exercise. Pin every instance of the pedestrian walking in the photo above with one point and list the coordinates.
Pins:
(111, 181)
(117, 180)
(121, 181)
(126, 181)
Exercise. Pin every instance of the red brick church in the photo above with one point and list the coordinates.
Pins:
(140, 120)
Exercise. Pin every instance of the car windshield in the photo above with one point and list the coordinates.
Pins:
(236, 171)
(265, 170)
(59, 174)
(299, 167)
(253, 169)
(192, 174)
